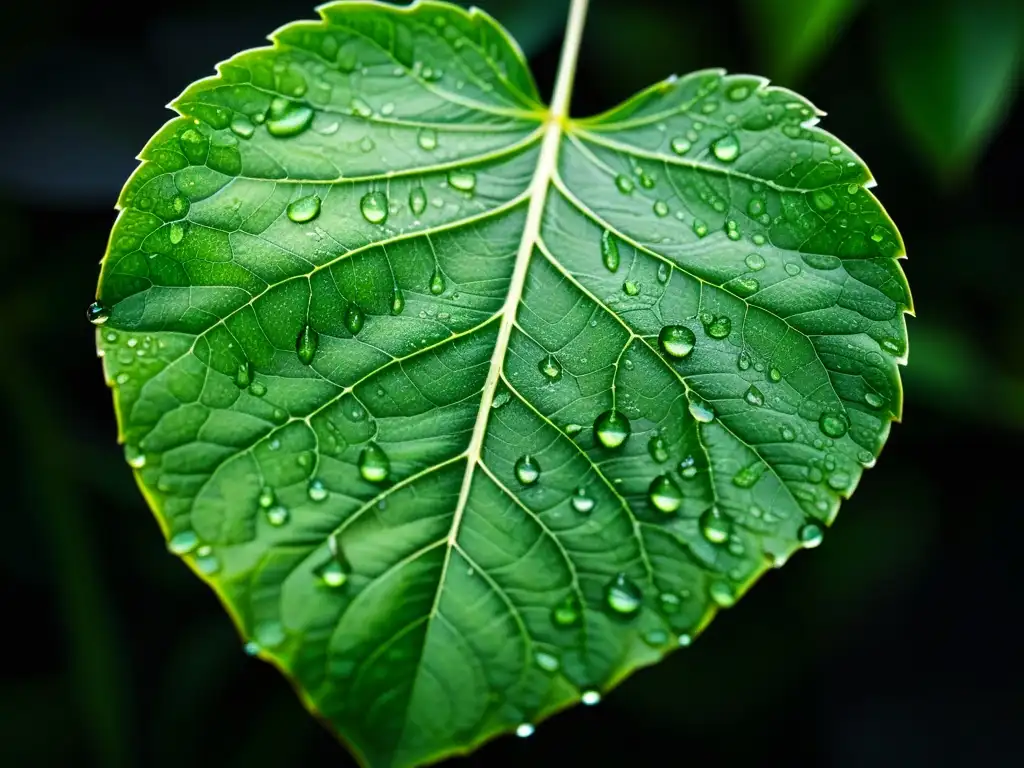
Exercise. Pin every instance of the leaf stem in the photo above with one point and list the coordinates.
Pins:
(567, 64)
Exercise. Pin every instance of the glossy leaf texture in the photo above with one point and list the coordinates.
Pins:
(464, 413)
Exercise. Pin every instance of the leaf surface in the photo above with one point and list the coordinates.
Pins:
(465, 409)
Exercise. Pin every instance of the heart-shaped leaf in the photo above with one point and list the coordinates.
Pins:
(467, 409)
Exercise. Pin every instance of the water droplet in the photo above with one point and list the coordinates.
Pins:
(417, 200)
(182, 543)
(567, 612)
(822, 200)
(746, 286)
(685, 641)
(660, 208)
(609, 251)
(700, 228)
(243, 375)
(550, 368)
(332, 573)
(251, 648)
(524, 730)
(97, 313)
(714, 526)
(833, 423)
(657, 448)
(669, 602)
(727, 148)
(612, 428)
(656, 638)
(427, 139)
(266, 498)
(722, 594)
(288, 118)
(316, 490)
(792, 269)
(623, 596)
(397, 301)
(874, 400)
(680, 145)
(500, 399)
(547, 661)
(647, 182)
(206, 562)
(839, 481)
(590, 698)
(754, 396)
(573, 429)
(306, 344)
(304, 209)
(718, 327)
(374, 464)
(701, 411)
(664, 494)
(242, 126)
(581, 502)
(811, 535)
(277, 515)
(788, 434)
(775, 374)
(464, 181)
(822, 261)
(354, 319)
(878, 234)
(631, 288)
(136, 459)
(663, 272)
(624, 183)
(527, 470)
(677, 341)
(754, 262)
(748, 476)
(374, 207)
(437, 285)
(738, 93)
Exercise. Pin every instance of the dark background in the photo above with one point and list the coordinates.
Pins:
(896, 643)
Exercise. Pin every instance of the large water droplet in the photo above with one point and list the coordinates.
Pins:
(609, 251)
(701, 411)
(811, 535)
(727, 148)
(622, 596)
(288, 118)
(833, 423)
(397, 301)
(714, 526)
(304, 209)
(332, 573)
(464, 181)
(316, 490)
(527, 470)
(748, 476)
(612, 428)
(427, 139)
(718, 327)
(582, 502)
(547, 661)
(306, 344)
(722, 594)
(657, 448)
(183, 542)
(417, 200)
(277, 515)
(677, 340)
(374, 464)
(374, 207)
(97, 313)
(550, 368)
(664, 494)
(567, 612)
(437, 282)
(355, 318)
(754, 396)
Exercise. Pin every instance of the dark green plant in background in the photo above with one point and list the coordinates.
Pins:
(134, 663)
(466, 408)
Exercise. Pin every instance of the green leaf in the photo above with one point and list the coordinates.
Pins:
(951, 68)
(467, 409)
(793, 34)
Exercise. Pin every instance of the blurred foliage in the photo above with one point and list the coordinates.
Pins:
(886, 646)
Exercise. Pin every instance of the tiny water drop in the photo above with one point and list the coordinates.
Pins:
(657, 448)
(718, 327)
(97, 313)
(437, 285)
(612, 428)
(427, 139)
(550, 368)
(316, 490)
(183, 543)
(567, 612)
(527, 470)
(277, 515)
(664, 494)
(547, 661)
(609, 251)
(355, 318)
(582, 502)
(397, 301)
(306, 344)
(624, 183)
(714, 526)
(623, 596)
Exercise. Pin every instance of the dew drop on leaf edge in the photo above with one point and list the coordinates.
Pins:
(306, 344)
